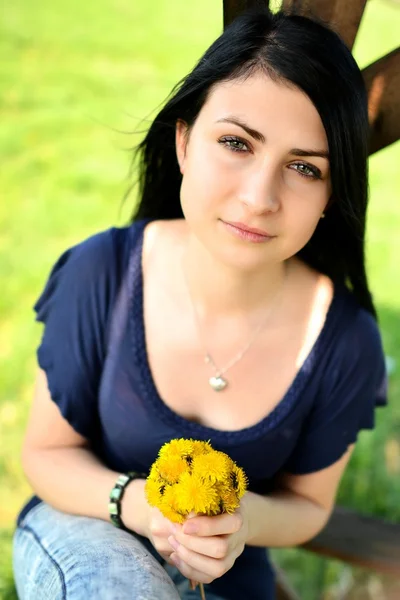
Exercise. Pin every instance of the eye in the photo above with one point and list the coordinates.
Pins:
(306, 170)
(233, 143)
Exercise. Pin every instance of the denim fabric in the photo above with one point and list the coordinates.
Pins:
(57, 556)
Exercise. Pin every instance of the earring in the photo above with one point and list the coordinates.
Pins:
(323, 215)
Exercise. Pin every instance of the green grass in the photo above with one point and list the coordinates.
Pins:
(76, 80)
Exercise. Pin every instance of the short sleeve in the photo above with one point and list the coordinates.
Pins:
(356, 384)
(74, 309)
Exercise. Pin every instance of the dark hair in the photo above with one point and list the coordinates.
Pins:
(312, 57)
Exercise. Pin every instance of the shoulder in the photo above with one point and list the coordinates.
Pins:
(355, 338)
(98, 250)
(162, 241)
(361, 338)
(99, 256)
(358, 343)
(358, 360)
(162, 233)
(87, 275)
(356, 327)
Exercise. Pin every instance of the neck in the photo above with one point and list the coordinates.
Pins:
(217, 289)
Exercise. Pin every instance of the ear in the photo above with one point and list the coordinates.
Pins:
(181, 138)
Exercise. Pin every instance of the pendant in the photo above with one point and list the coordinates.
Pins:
(218, 383)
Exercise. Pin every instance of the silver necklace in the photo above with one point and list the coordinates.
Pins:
(217, 381)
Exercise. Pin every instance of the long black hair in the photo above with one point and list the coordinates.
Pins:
(311, 56)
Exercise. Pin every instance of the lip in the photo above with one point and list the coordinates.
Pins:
(248, 229)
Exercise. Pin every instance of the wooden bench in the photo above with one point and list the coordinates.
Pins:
(355, 539)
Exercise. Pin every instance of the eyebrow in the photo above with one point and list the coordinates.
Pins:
(260, 138)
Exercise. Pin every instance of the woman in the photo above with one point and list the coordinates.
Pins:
(235, 307)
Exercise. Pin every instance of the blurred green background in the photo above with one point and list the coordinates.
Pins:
(77, 79)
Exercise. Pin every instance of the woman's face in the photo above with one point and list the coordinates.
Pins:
(256, 157)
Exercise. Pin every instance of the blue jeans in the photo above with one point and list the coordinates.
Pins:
(57, 556)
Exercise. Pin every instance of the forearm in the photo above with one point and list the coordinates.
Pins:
(282, 519)
(73, 480)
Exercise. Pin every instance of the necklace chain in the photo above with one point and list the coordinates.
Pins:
(218, 383)
(236, 359)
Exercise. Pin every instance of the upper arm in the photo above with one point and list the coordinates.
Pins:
(47, 428)
(354, 383)
(74, 308)
(321, 486)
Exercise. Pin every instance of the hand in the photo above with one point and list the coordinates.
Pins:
(210, 551)
(140, 517)
(158, 531)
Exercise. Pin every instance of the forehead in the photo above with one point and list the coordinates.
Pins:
(275, 109)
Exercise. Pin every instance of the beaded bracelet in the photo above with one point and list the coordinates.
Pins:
(116, 495)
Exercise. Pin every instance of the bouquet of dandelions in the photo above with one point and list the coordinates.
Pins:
(190, 477)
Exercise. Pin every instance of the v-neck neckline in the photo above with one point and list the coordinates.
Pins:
(169, 416)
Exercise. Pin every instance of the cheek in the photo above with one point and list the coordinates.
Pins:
(205, 166)
(306, 200)
(204, 183)
(301, 223)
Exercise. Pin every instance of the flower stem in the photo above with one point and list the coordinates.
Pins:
(193, 586)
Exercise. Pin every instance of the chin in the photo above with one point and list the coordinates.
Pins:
(243, 260)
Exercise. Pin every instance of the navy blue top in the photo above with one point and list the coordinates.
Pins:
(94, 354)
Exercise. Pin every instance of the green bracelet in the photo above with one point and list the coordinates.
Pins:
(116, 495)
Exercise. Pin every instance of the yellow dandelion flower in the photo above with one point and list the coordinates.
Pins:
(171, 468)
(190, 476)
(168, 505)
(238, 480)
(194, 494)
(154, 492)
(213, 466)
(171, 514)
(154, 474)
(169, 497)
(179, 447)
(229, 501)
(201, 447)
(216, 507)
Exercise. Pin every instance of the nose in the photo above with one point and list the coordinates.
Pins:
(260, 190)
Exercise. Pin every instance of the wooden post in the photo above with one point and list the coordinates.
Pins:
(344, 16)
(382, 79)
(233, 8)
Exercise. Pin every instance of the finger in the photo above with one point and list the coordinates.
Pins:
(165, 555)
(160, 529)
(207, 572)
(164, 549)
(159, 525)
(209, 526)
(194, 563)
(189, 572)
(224, 549)
(214, 547)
